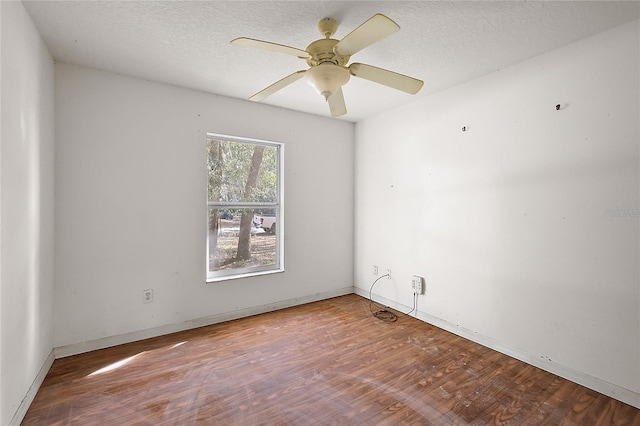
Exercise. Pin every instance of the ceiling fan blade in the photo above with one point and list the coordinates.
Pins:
(388, 78)
(280, 84)
(272, 47)
(374, 29)
(336, 104)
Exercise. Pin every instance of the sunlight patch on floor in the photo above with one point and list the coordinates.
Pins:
(115, 365)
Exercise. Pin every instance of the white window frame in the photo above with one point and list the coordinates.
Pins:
(278, 206)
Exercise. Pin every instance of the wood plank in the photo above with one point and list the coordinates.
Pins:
(328, 362)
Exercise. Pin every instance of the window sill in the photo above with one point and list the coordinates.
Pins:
(246, 275)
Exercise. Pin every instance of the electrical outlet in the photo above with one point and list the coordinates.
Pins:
(388, 274)
(417, 283)
(147, 296)
(375, 270)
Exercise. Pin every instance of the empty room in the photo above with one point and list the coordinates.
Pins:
(320, 212)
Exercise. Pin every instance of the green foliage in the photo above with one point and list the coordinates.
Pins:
(228, 164)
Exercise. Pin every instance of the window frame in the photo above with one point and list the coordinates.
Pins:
(277, 205)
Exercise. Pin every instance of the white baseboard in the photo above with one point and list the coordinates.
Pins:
(33, 390)
(92, 345)
(602, 386)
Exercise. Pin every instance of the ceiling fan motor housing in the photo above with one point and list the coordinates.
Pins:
(322, 51)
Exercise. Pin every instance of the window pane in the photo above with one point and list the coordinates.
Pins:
(230, 251)
(244, 205)
(242, 172)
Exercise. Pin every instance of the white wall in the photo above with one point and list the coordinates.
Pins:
(26, 204)
(511, 221)
(131, 206)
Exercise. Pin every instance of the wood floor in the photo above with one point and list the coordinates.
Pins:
(324, 363)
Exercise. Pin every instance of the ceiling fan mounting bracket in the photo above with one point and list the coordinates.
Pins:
(327, 27)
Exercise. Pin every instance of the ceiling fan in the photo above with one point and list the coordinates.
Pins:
(327, 59)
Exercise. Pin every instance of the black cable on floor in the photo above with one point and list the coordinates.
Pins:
(383, 313)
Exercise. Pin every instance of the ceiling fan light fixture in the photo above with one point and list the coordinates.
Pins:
(327, 78)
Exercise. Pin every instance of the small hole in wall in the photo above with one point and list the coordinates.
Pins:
(558, 107)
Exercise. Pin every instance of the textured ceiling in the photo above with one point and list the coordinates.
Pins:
(187, 43)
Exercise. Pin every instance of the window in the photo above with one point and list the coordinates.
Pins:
(244, 207)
